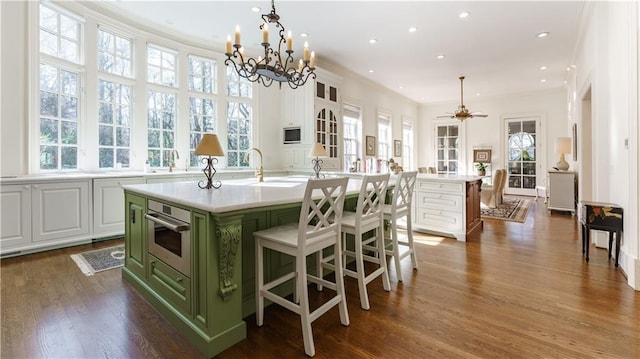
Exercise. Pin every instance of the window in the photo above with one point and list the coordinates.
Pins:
(201, 121)
(114, 128)
(161, 66)
(407, 145)
(202, 106)
(114, 54)
(352, 139)
(161, 115)
(384, 136)
(59, 35)
(448, 149)
(239, 119)
(202, 75)
(59, 89)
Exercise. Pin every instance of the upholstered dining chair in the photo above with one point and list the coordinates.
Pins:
(366, 218)
(490, 196)
(318, 228)
(399, 208)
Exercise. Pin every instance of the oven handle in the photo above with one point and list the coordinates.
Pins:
(154, 217)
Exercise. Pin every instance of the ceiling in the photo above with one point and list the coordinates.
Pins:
(495, 47)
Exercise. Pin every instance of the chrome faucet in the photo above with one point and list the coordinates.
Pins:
(173, 156)
(259, 171)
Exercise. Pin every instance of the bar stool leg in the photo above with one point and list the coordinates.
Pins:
(617, 246)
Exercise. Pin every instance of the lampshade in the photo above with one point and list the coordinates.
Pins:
(318, 150)
(209, 146)
(563, 145)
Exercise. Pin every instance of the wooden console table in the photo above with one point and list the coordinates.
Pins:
(601, 216)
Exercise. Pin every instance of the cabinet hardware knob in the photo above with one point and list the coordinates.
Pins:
(153, 263)
(179, 280)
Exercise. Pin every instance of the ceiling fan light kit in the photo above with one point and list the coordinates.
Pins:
(462, 113)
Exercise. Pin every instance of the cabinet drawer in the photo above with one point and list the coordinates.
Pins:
(170, 284)
(447, 202)
(440, 187)
(439, 220)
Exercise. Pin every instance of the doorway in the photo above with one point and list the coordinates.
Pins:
(522, 142)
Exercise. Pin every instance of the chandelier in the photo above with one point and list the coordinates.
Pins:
(271, 67)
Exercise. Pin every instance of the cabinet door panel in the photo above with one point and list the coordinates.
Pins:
(16, 215)
(136, 241)
(108, 205)
(60, 210)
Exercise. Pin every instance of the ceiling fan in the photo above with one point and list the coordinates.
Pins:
(462, 113)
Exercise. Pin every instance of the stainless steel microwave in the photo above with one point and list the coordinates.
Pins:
(291, 135)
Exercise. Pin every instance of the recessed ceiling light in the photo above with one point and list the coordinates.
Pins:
(568, 68)
(255, 9)
(303, 34)
(543, 67)
(440, 57)
(478, 94)
(543, 80)
(371, 71)
(401, 87)
(573, 66)
(463, 14)
(565, 82)
(373, 41)
(413, 29)
(542, 34)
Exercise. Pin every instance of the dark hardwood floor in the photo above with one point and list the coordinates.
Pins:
(517, 290)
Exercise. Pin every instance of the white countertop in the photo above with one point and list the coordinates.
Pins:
(452, 178)
(234, 195)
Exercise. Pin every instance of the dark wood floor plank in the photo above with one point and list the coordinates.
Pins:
(515, 290)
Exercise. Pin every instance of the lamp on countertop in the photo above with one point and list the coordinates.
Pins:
(563, 146)
(209, 146)
(317, 151)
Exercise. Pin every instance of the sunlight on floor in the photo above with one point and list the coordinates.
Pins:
(422, 238)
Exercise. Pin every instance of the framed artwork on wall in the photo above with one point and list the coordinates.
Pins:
(397, 148)
(370, 144)
(482, 156)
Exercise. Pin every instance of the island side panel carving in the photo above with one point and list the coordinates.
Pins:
(228, 236)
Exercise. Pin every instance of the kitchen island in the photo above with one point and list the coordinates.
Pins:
(447, 204)
(208, 301)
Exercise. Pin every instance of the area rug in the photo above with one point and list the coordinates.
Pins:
(100, 259)
(513, 209)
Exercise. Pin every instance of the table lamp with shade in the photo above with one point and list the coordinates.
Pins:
(318, 152)
(563, 146)
(209, 146)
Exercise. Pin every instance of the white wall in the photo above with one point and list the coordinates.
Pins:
(488, 132)
(13, 104)
(606, 60)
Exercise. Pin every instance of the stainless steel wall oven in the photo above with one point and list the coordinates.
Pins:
(169, 235)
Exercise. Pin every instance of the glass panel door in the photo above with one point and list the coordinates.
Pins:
(448, 149)
(522, 149)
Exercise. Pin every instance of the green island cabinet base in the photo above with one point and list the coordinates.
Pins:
(208, 308)
(209, 345)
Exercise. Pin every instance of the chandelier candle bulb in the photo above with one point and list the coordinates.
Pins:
(305, 55)
(312, 62)
(265, 33)
(228, 44)
(238, 35)
(300, 65)
(289, 42)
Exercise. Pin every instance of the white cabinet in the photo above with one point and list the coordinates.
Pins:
(447, 206)
(108, 205)
(60, 211)
(44, 215)
(562, 191)
(297, 158)
(15, 202)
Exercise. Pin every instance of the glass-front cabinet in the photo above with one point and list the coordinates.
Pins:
(521, 156)
(448, 149)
